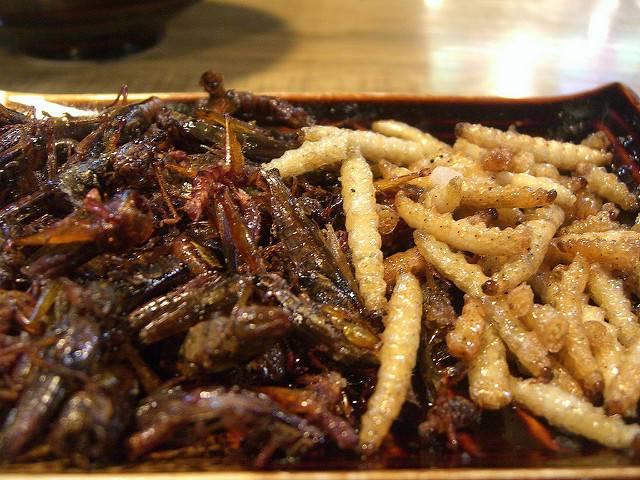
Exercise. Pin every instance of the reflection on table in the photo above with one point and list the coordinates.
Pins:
(484, 47)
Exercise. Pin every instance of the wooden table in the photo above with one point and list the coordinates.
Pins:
(487, 47)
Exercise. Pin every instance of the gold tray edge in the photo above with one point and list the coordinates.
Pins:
(435, 474)
(106, 98)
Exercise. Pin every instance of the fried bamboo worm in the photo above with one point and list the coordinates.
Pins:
(616, 249)
(608, 186)
(488, 373)
(548, 324)
(359, 203)
(468, 277)
(625, 387)
(574, 414)
(464, 341)
(483, 194)
(576, 354)
(608, 292)
(564, 197)
(393, 128)
(602, 221)
(521, 267)
(374, 146)
(565, 156)
(408, 261)
(397, 359)
(524, 344)
(310, 156)
(461, 234)
(609, 354)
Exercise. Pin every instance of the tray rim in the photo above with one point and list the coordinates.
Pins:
(402, 97)
(560, 473)
(556, 473)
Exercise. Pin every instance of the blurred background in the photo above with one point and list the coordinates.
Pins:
(480, 47)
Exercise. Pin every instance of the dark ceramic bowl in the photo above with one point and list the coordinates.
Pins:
(74, 29)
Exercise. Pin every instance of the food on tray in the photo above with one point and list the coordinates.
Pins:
(228, 279)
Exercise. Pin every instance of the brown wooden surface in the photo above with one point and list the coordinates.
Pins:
(479, 47)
